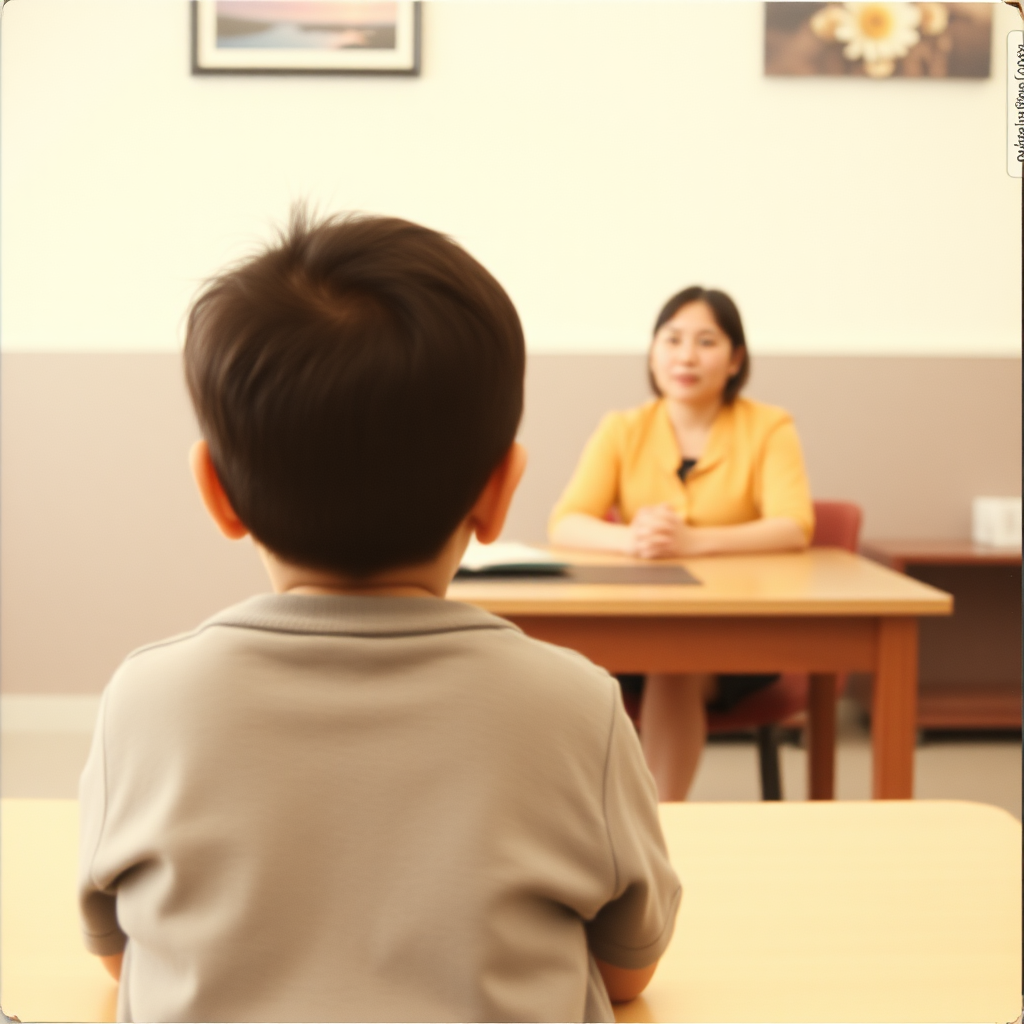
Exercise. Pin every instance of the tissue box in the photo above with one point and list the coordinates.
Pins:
(996, 522)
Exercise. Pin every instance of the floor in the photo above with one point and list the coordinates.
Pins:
(980, 768)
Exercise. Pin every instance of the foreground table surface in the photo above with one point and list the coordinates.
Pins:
(45, 972)
(892, 911)
(867, 911)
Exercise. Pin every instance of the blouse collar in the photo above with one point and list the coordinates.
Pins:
(715, 451)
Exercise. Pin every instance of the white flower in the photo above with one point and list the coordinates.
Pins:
(878, 32)
(934, 19)
(825, 22)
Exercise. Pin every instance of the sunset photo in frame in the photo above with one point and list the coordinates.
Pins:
(296, 37)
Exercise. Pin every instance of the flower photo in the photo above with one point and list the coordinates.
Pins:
(878, 40)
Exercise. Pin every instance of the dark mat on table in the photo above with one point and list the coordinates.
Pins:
(635, 574)
(643, 575)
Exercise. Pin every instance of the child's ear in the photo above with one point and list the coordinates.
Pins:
(487, 516)
(210, 490)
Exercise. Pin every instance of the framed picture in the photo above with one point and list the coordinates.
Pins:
(878, 40)
(298, 37)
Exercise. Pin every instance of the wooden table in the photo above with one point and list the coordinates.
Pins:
(822, 611)
(975, 656)
(45, 972)
(847, 911)
(866, 911)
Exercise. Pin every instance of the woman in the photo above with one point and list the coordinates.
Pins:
(697, 471)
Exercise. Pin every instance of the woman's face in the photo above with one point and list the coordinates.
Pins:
(692, 358)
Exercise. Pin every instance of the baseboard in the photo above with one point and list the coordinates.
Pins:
(48, 712)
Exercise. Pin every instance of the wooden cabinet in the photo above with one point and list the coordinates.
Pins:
(970, 663)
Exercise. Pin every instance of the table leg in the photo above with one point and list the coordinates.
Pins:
(821, 746)
(894, 710)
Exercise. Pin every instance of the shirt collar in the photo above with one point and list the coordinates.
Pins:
(718, 443)
(344, 615)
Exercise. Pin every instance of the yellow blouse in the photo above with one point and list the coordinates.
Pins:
(751, 468)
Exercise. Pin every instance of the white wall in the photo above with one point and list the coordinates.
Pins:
(596, 157)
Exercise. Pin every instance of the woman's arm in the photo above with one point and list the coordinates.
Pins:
(658, 532)
(578, 530)
(779, 533)
(576, 521)
(785, 490)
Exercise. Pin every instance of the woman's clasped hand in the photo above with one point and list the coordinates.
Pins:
(657, 531)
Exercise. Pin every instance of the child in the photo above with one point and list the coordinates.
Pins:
(352, 799)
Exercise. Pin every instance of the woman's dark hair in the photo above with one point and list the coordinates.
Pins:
(726, 315)
(357, 383)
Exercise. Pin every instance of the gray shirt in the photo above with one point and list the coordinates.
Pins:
(359, 808)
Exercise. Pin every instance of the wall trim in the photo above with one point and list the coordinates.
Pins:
(48, 713)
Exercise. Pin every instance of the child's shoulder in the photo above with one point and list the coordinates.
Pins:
(276, 637)
(529, 677)
(204, 643)
(160, 680)
(550, 666)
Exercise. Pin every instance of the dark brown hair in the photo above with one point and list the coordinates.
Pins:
(357, 383)
(726, 315)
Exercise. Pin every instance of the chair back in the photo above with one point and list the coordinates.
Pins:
(836, 525)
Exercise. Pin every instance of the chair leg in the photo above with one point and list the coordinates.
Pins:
(821, 746)
(768, 755)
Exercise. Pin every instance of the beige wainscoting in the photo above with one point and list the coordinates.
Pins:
(105, 547)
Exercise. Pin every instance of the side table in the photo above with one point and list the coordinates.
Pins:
(970, 664)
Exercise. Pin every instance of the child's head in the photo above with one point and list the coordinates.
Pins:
(357, 383)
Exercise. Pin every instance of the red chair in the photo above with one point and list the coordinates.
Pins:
(837, 525)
